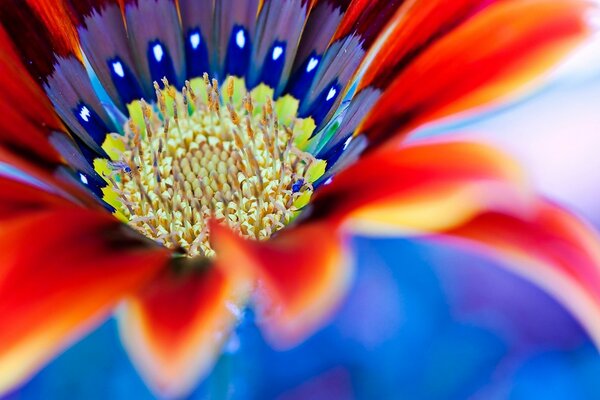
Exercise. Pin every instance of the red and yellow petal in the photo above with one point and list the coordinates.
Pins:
(550, 247)
(422, 187)
(61, 272)
(175, 327)
(495, 53)
(303, 273)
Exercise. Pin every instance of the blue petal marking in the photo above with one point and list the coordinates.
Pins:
(319, 109)
(300, 81)
(124, 81)
(273, 64)
(239, 50)
(333, 154)
(196, 54)
(94, 184)
(160, 62)
(91, 122)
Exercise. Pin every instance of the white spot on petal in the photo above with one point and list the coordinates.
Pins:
(240, 39)
(85, 114)
(331, 94)
(277, 52)
(328, 181)
(195, 40)
(348, 142)
(158, 52)
(83, 179)
(118, 68)
(312, 64)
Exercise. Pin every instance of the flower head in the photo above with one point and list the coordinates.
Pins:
(184, 158)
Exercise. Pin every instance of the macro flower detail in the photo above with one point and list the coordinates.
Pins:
(177, 161)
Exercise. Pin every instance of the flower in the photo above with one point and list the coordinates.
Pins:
(133, 178)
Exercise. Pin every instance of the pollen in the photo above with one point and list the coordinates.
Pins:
(208, 153)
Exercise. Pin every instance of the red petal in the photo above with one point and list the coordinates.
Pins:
(416, 26)
(366, 19)
(18, 199)
(303, 273)
(495, 53)
(27, 115)
(422, 187)
(60, 273)
(551, 248)
(174, 329)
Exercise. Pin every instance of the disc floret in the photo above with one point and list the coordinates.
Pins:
(195, 156)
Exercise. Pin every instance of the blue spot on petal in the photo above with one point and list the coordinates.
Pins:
(125, 82)
(273, 65)
(160, 63)
(239, 50)
(91, 122)
(319, 109)
(196, 53)
(301, 80)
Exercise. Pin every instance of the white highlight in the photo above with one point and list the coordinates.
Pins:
(328, 181)
(195, 40)
(240, 39)
(85, 114)
(348, 142)
(158, 52)
(312, 64)
(277, 52)
(331, 94)
(118, 68)
(83, 179)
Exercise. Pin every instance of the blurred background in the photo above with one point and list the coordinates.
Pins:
(422, 321)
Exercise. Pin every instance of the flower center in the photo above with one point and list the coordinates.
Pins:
(198, 155)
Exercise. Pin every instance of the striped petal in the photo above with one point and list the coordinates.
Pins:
(47, 41)
(175, 327)
(548, 246)
(101, 28)
(24, 108)
(60, 274)
(358, 31)
(302, 273)
(422, 187)
(461, 70)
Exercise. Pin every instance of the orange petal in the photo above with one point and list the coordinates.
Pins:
(422, 187)
(493, 54)
(60, 274)
(549, 247)
(303, 272)
(174, 329)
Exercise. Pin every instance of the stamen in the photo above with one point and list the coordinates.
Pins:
(190, 161)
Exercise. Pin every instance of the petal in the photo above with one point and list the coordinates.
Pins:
(422, 187)
(175, 327)
(359, 28)
(303, 273)
(550, 247)
(48, 44)
(24, 107)
(462, 70)
(60, 274)
(19, 198)
(46, 180)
